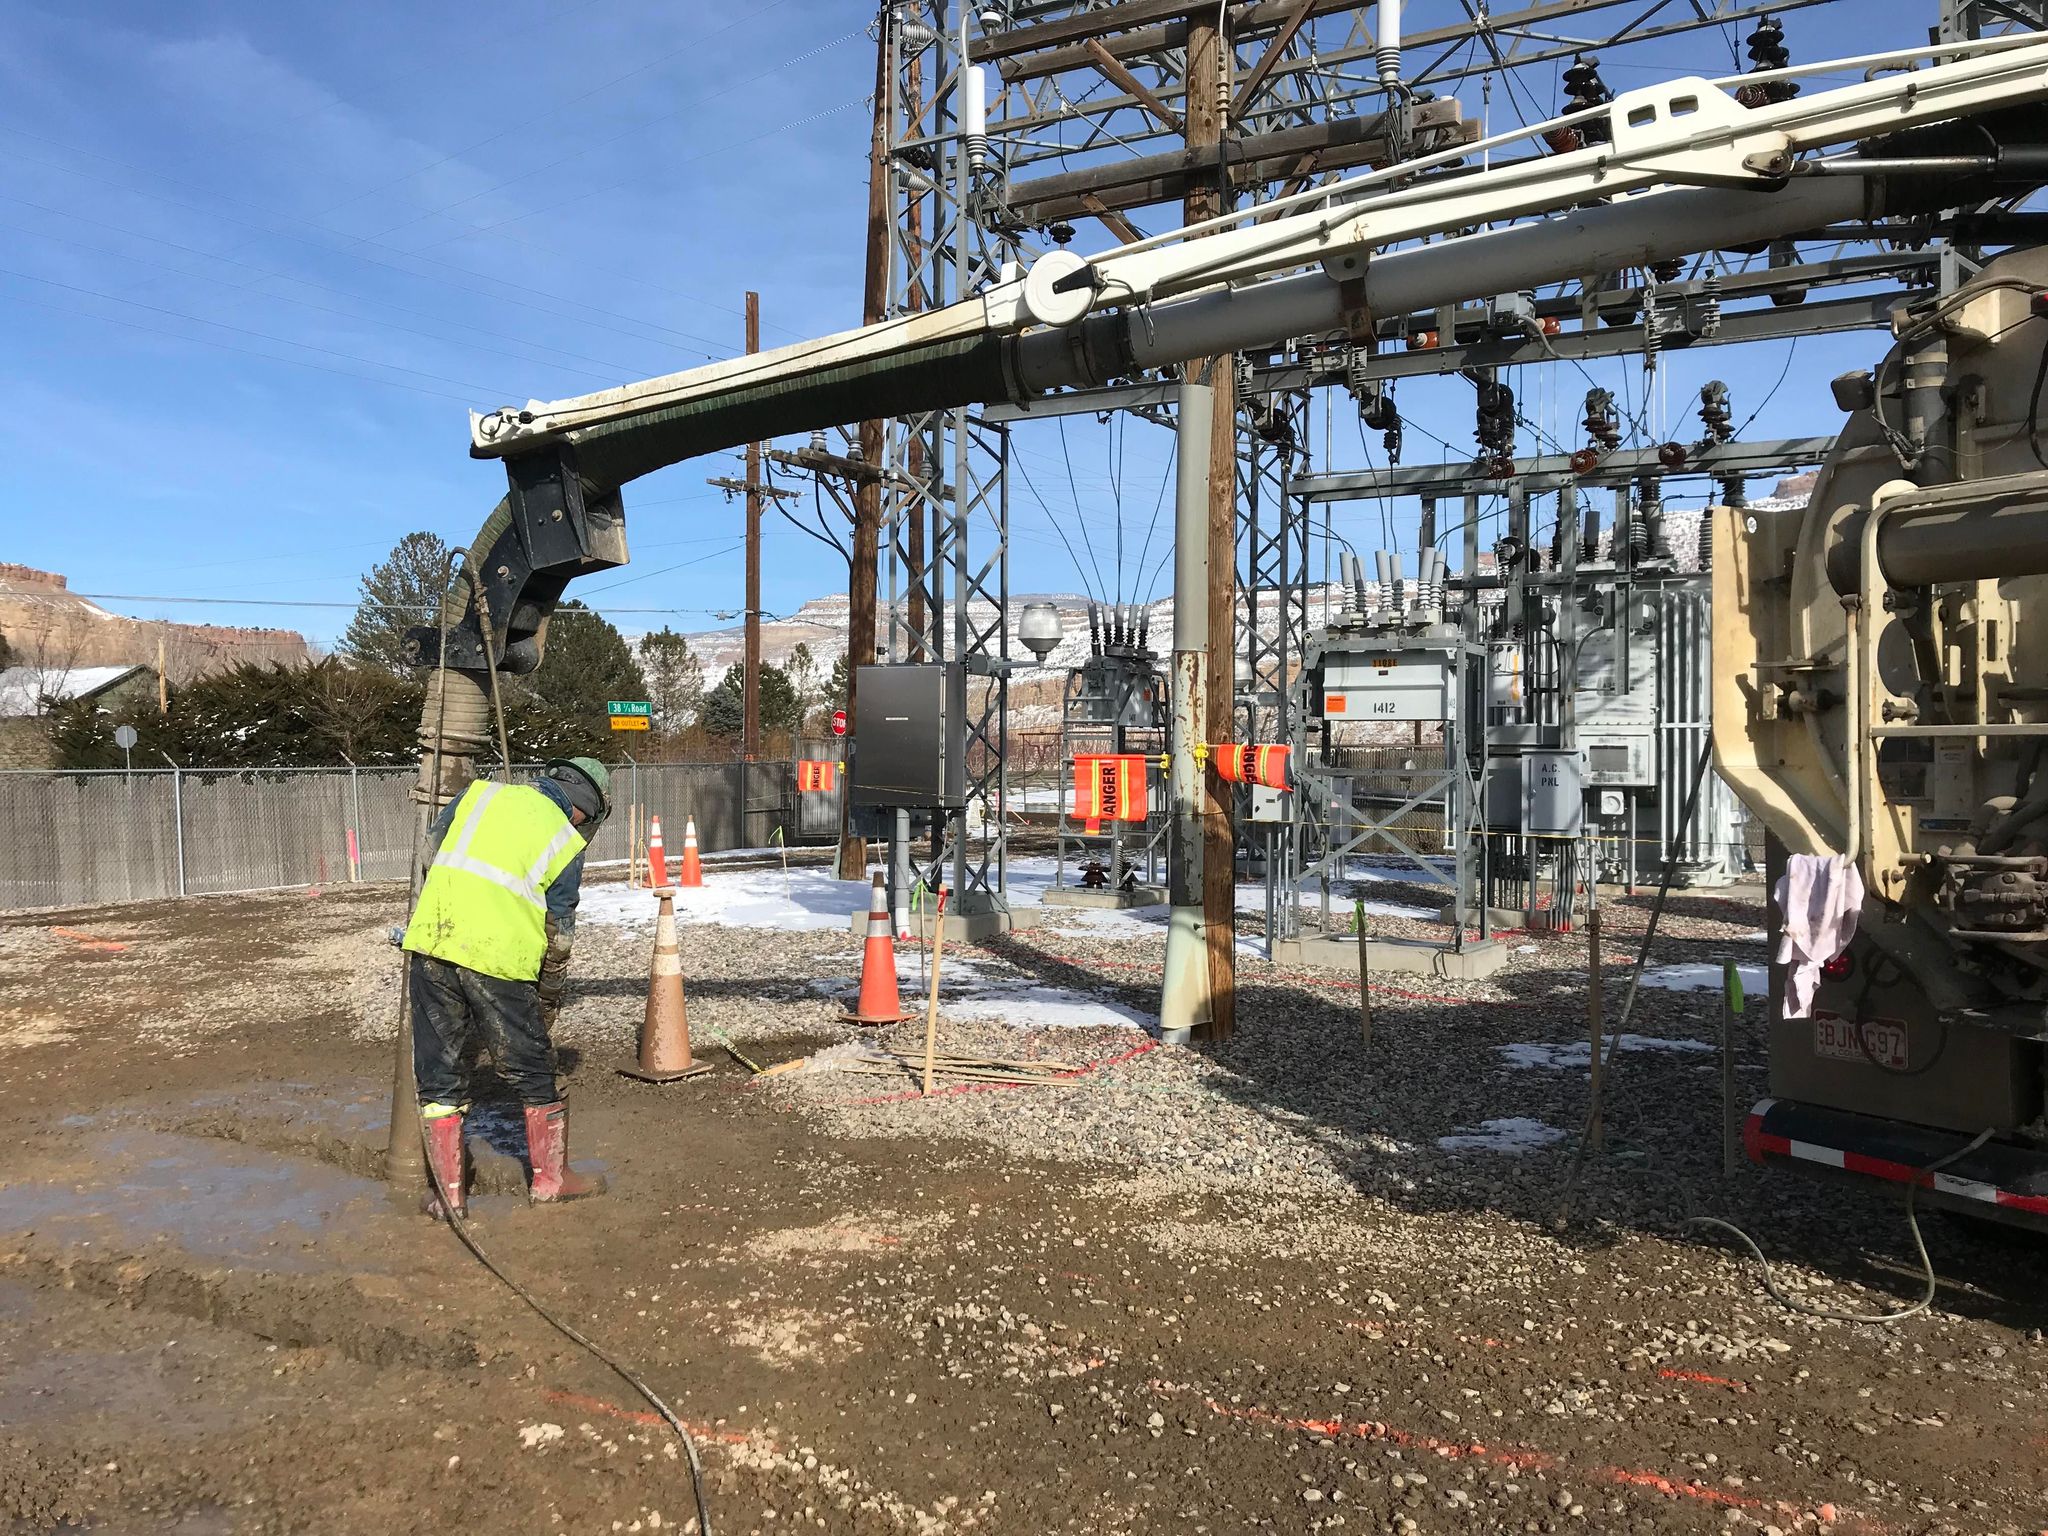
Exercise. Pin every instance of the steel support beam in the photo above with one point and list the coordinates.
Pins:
(1552, 471)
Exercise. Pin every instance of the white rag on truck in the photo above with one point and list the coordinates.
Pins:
(1820, 895)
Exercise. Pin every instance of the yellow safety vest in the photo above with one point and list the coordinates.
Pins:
(483, 905)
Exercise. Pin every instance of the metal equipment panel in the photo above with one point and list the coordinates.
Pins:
(1386, 685)
(901, 755)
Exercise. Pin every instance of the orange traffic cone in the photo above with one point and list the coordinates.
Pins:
(665, 1031)
(692, 872)
(657, 855)
(879, 1002)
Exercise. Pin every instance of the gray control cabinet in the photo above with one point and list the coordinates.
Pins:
(906, 751)
(1388, 681)
(1540, 790)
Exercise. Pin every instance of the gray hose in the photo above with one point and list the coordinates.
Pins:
(1794, 1304)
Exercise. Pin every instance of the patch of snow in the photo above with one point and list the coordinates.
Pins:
(970, 989)
(1703, 977)
(1513, 1136)
(1579, 1053)
(808, 901)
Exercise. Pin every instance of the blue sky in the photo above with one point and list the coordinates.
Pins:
(257, 260)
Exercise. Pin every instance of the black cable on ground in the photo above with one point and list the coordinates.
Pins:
(1795, 1304)
(460, 1224)
(1635, 980)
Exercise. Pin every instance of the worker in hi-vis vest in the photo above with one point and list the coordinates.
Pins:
(490, 942)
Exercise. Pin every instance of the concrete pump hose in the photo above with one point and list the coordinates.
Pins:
(455, 724)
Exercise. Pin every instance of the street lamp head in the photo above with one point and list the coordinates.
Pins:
(1039, 628)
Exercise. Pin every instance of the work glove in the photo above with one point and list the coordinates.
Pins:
(553, 985)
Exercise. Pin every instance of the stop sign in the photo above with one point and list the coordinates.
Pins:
(838, 722)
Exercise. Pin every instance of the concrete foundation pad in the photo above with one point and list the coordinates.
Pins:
(1410, 957)
(966, 927)
(1496, 917)
(1111, 901)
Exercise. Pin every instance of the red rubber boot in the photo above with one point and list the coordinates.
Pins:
(445, 1159)
(547, 1144)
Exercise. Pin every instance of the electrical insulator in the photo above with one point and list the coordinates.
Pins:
(1421, 341)
(1584, 461)
(1667, 271)
(1671, 455)
(1602, 427)
(1706, 543)
(1583, 90)
(1639, 522)
(1060, 231)
(1715, 414)
(1496, 419)
(1767, 52)
(1391, 437)
(1589, 529)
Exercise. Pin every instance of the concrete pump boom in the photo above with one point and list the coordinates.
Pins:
(1301, 266)
(1686, 169)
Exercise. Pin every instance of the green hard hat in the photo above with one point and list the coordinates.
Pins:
(590, 768)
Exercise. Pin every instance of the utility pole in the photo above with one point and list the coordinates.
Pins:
(1206, 115)
(863, 567)
(750, 728)
(758, 493)
(1199, 997)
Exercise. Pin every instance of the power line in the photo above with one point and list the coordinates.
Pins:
(228, 346)
(304, 282)
(353, 252)
(1080, 517)
(720, 149)
(483, 38)
(240, 330)
(554, 110)
(307, 602)
(324, 309)
(692, 104)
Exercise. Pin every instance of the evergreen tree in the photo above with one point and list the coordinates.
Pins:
(675, 679)
(804, 682)
(587, 664)
(6, 653)
(841, 678)
(402, 590)
(724, 709)
(259, 715)
(781, 710)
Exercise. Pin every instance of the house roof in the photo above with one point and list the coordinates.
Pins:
(22, 689)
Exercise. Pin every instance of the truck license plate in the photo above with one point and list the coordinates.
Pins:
(1883, 1039)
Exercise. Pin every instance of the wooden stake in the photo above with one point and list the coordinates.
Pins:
(1596, 1021)
(1364, 971)
(1727, 1071)
(931, 1007)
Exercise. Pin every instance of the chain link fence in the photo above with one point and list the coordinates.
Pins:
(92, 837)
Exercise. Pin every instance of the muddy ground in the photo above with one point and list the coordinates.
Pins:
(1228, 1288)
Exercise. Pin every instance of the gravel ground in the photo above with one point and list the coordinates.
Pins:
(1283, 1282)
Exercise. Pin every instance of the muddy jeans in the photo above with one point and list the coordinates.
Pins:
(450, 1001)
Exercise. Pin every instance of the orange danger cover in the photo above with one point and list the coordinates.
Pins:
(1110, 786)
